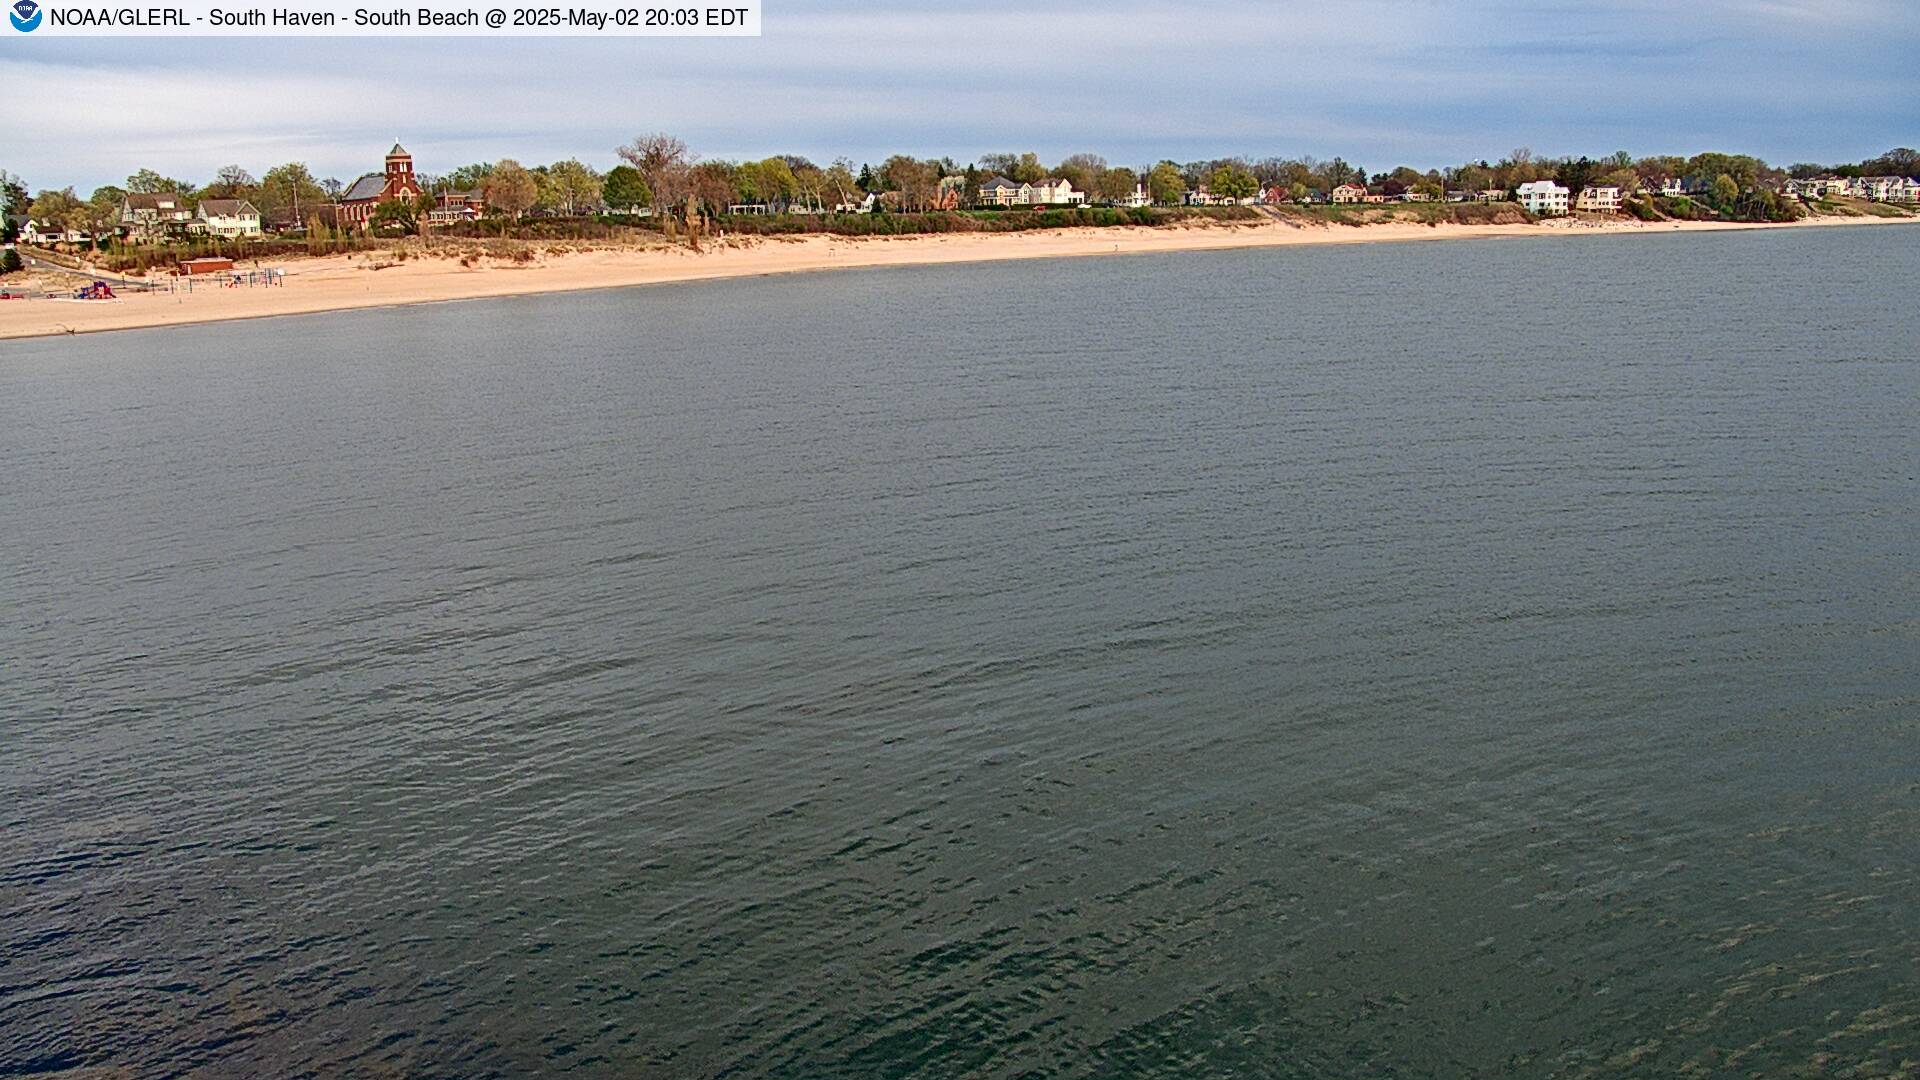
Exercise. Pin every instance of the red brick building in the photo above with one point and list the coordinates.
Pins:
(358, 201)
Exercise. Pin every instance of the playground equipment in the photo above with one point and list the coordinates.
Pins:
(99, 290)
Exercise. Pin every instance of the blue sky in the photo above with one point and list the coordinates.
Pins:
(1417, 82)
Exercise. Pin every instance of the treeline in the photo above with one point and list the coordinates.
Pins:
(660, 175)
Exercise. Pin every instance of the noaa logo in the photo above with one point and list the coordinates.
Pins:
(25, 15)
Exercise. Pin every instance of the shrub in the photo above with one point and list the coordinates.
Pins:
(10, 262)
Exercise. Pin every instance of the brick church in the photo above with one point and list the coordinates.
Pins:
(358, 201)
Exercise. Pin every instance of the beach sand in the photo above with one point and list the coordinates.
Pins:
(340, 283)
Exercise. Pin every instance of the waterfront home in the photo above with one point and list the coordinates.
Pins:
(453, 207)
(1413, 196)
(1139, 197)
(225, 217)
(1372, 198)
(1886, 189)
(1349, 193)
(1817, 187)
(153, 214)
(48, 232)
(1603, 199)
(396, 181)
(1543, 197)
(1673, 187)
(1055, 191)
(1000, 191)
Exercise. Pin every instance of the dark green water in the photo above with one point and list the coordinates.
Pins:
(1479, 659)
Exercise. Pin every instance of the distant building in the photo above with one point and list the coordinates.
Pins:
(1000, 191)
(1673, 187)
(1349, 193)
(1052, 191)
(1598, 200)
(47, 232)
(1055, 191)
(152, 214)
(1898, 189)
(226, 217)
(395, 182)
(1139, 197)
(1543, 197)
(452, 207)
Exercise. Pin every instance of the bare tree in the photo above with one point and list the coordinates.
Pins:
(665, 163)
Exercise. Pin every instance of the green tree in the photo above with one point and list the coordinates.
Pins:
(1726, 191)
(61, 209)
(1165, 184)
(103, 209)
(148, 182)
(1232, 182)
(10, 262)
(576, 185)
(1117, 184)
(288, 192)
(1577, 176)
(510, 189)
(624, 189)
(394, 217)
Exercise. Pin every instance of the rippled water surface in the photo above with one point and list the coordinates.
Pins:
(1468, 659)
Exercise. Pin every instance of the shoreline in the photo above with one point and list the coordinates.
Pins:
(348, 283)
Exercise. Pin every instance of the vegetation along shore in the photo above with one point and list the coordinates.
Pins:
(162, 252)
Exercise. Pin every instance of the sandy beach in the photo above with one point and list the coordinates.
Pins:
(341, 283)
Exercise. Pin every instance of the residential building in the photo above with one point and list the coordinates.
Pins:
(1000, 191)
(1673, 187)
(1140, 197)
(1598, 200)
(1543, 197)
(1055, 191)
(153, 214)
(1885, 188)
(395, 182)
(451, 207)
(226, 217)
(47, 232)
(1349, 193)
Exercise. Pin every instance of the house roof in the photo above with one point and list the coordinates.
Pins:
(999, 182)
(152, 200)
(367, 187)
(398, 151)
(226, 208)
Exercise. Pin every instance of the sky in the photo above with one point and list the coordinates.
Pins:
(1416, 82)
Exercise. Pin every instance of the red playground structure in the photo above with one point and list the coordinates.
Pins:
(99, 290)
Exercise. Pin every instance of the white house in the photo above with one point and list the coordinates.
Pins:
(1599, 200)
(1054, 191)
(1673, 187)
(1349, 193)
(226, 217)
(47, 232)
(1138, 198)
(1543, 197)
(152, 213)
(1886, 188)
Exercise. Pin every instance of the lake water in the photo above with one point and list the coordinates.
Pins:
(1423, 660)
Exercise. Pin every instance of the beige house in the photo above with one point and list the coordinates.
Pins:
(1054, 191)
(1543, 197)
(1598, 200)
(226, 217)
(1349, 193)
